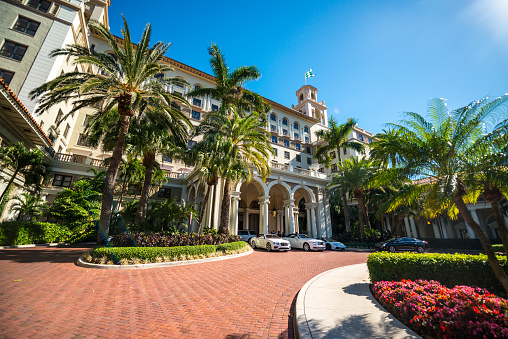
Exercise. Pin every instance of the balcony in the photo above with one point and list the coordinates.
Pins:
(175, 175)
(287, 168)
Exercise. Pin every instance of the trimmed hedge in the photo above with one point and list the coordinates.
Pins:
(498, 248)
(449, 269)
(25, 233)
(116, 254)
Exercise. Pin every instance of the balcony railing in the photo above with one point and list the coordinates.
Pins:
(79, 159)
(175, 175)
(287, 168)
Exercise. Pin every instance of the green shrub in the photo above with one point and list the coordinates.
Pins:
(498, 248)
(25, 233)
(448, 269)
(115, 254)
(232, 246)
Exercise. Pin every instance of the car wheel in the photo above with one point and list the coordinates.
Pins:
(306, 247)
(252, 244)
(268, 247)
(420, 249)
(392, 249)
(328, 246)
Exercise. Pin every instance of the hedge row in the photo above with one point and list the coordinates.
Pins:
(115, 254)
(449, 269)
(159, 239)
(498, 248)
(24, 233)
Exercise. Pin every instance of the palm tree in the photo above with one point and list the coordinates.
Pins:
(241, 143)
(335, 138)
(131, 171)
(126, 80)
(439, 149)
(353, 178)
(385, 148)
(229, 85)
(27, 204)
(28, 163)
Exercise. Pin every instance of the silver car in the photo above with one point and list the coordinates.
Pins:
(303, 241)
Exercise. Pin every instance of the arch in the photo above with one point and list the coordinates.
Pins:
(313, 96)
(260, 185)
(191, 196)
(306, 129)
(296, 125)
(309, 194)
(273, 117)
(285, 122)
(287, 193)
(197, 86)
(301, 97)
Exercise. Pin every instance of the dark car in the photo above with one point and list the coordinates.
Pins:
(403, 244)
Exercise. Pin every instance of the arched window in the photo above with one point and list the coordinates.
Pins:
(273, 117)
(301, 97)
(296, 126)
(313, 96)
(285, 122)
(306, 129)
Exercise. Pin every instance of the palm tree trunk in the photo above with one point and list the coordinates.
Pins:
(9, 184)
(122, 193)
(148, 162)
(367, 216)
(109, 185)
(346, 213)
(359, 196)
(226, 204)
(203, 209)
(486, 244)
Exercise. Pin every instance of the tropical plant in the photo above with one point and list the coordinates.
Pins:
(131, 171)
(335, 138)
(439, 149)
(128, 79)
(28, 204)
(353, 178)
(170, 215)
(21, 161)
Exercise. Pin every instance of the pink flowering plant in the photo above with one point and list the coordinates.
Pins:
(435, 311)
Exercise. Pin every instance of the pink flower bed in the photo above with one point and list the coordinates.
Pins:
(433, 310)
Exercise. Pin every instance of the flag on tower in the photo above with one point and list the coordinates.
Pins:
(308, 75)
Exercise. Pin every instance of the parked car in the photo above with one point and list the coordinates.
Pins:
(299, 240)
(403, 244)
(332, 244)
(272, 242)
(246, 235)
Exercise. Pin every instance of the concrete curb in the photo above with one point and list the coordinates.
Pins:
(84, 264)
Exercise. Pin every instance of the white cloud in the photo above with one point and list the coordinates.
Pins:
(491, 15)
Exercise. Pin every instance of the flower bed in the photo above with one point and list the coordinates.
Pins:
(435, 311)
(158, 239)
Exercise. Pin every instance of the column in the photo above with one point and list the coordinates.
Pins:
(233, 220)
(309, 222)
(219, 188)
(469, 229)
(322, 219)
(437, 235)
(313, 221)
(197, 206)
(388, 226)
(290, 221)
(209, 208)
(297, 222)
(408, 228)
(328, 217)
(263, 214)
(413, 227)
(246, 219)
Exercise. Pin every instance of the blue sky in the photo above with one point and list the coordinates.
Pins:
(373, 60)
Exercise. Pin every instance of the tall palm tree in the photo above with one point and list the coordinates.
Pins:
(241, 143)
(20, 160)
(335, 138)
(439, 149)
(229, 88)
(126, 79)
(353, 177)
(27, 204)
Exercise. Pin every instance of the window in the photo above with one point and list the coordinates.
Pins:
(307, 140)
(309, 150)
(275, 151)
(196, 102)
(274, 139)
(273, 117)
(82, 140)
(285, 132)
(301, 97)
(197, 87)
(334, 167)
(41, 124)
(215, 108)
(306, 129)
(41, 5)
(166, 158)
(360, 137)
(191, 144)
(297, 136)
(179, 85)
(59, 117)
(60, 149)
(178, 93)
(66, 132)
(285, 122)
(87, 119)
(13, 50)
(133, 189)
(286, 155)
(344, 150)
(297, 147)
(62, 180)
(164, 192)
(26, 25)
(321, 170)
(298, 158)
(295, 126)
(333, 155)
(6, 75)
(196, 115)
(52, 137)
(370, 140)
(309, 161)
(286, 143)
(159, 76)
(273, 128)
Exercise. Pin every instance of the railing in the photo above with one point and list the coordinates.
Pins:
(300, 171)
(80, 159)
(97, 163)
(280, 167)
(175, 175)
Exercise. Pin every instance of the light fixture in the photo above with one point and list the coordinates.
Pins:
(274, 212)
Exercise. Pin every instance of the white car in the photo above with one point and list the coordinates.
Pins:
(271, 242)
(333, 244)
(298, 240)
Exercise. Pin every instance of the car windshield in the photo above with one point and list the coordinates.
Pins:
(271, 236)
(303, 236)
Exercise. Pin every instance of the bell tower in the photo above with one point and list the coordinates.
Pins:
(308, 104)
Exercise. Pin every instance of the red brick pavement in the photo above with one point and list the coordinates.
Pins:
(43, 294)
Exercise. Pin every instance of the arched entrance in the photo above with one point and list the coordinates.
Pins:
(249, 211)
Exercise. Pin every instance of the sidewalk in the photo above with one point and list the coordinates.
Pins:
(338, 304)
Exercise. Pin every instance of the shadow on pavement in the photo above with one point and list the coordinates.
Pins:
(59, 254)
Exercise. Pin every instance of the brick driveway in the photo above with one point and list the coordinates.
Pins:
(43, 294)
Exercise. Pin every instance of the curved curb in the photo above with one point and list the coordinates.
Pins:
(313, 314)
(82, 263)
